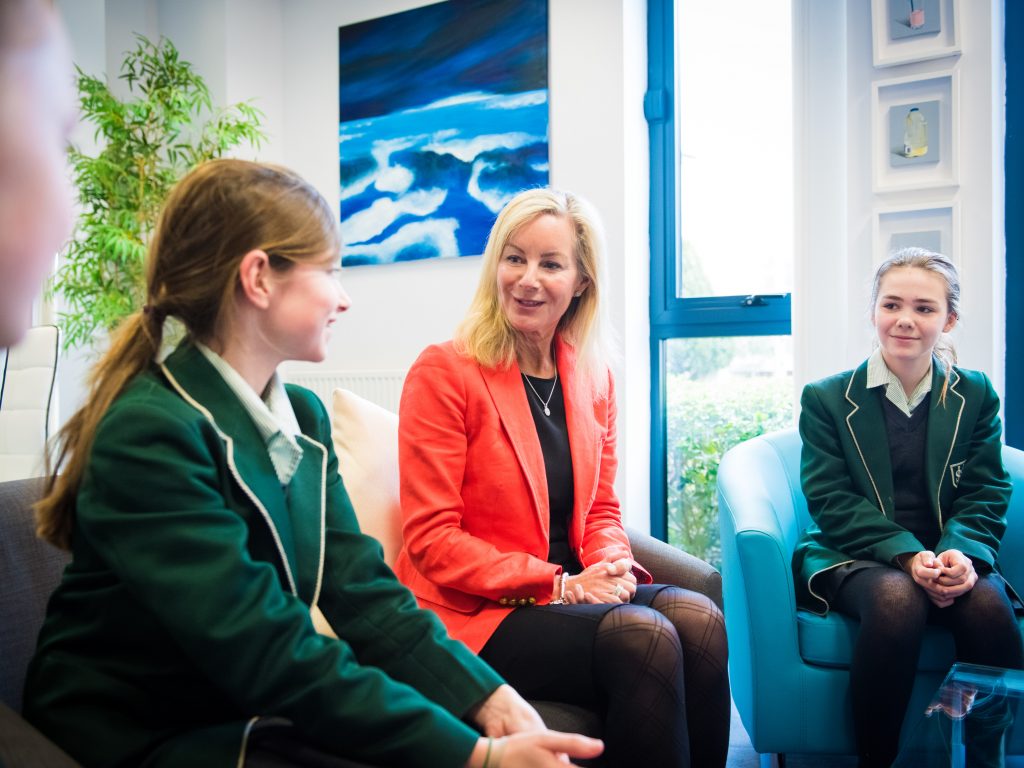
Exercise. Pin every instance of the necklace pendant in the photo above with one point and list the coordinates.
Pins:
(547, 411)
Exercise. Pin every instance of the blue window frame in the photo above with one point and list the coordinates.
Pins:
(672, 316)
(1014, 191)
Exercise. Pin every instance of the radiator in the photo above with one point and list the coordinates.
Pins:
(381, 387)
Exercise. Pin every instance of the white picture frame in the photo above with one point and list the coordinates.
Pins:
(893, 100)
(935, 226)
(895, 42)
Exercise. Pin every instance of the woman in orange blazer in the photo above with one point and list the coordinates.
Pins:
(512, 529)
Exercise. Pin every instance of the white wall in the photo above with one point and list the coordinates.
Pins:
(835, 235)
(284, 55)
(598, 148)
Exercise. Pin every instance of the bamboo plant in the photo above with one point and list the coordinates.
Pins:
(164, 127)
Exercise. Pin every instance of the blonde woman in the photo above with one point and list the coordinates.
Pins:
(512, 530)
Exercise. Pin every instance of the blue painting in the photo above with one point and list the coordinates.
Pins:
(443, 117)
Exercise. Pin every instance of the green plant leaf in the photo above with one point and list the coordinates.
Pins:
(164, 128)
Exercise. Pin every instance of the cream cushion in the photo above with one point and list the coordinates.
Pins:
(366, 441)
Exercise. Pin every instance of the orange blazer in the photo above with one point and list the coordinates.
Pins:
(474, 489)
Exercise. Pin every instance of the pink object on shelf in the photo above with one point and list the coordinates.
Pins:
(917, 19)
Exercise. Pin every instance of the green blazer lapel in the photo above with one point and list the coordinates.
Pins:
(943, 429)
(192, 376)
(866, 424)
(307, 509)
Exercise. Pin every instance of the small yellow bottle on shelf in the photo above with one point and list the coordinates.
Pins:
(915, 134)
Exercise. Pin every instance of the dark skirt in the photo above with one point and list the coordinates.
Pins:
(275, 743)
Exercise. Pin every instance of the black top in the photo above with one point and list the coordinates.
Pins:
(907, 440)
(554, 443)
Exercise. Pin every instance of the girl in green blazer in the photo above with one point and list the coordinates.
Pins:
(903, 476)
(221, 607)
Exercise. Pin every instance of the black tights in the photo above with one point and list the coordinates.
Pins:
(893, 611)
(630, 662)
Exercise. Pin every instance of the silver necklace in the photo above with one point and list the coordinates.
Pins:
(547, 411)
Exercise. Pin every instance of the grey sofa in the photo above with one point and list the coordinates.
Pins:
(31, 569)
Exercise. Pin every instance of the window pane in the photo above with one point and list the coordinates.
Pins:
(720, 392)
(735, 72)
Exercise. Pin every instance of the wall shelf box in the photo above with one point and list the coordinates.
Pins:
(935, 226)
(935, 96)
(935, 34)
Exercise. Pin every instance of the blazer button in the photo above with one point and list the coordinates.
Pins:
(532, 601)
(503, 601)
(522, 601)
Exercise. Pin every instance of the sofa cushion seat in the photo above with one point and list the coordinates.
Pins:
(827, 641)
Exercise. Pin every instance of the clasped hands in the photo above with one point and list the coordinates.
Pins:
(609, 581)
(943, 577)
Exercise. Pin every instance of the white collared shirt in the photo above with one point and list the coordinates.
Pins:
(880, 375)
(272, 414)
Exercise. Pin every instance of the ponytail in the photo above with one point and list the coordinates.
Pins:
(134, 346)
(946, 353)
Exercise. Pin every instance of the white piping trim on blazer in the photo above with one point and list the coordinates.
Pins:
(815, 595)
(230, 444)
(881, 506)
(323, 517)
(945, 464)
(245, 741)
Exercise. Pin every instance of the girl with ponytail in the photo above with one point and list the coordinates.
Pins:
(221, 607)
(903, 474)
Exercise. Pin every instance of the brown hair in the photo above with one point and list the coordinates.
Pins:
(214, 216)
(937, 264)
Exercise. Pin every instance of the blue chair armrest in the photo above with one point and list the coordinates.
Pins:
(757, 529)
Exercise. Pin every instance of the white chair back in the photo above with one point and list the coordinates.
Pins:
(27, 414)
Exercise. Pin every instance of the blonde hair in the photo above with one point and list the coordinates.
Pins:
(214, 216)
(486, 334)
(937, 264)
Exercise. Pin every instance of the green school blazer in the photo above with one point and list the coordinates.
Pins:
(185, 612)
(846, 474)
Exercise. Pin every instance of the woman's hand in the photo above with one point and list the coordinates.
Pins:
(604, 582)
(540, 749)
(505, 712)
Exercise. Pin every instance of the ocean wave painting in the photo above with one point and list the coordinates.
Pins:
(443, 117)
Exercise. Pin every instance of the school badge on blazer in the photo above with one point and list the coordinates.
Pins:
(955, 470)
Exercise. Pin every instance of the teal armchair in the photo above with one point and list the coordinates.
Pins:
(790, 668)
